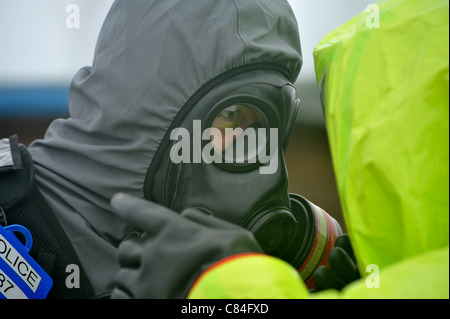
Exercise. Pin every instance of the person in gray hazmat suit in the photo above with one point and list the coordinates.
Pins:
(163, 71)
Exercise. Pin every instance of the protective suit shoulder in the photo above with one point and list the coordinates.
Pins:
(245, 276)
(421, 277)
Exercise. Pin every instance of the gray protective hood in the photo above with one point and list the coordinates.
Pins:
(151, 57)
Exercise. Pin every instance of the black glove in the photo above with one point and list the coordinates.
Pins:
(174, 249)
(343, 267)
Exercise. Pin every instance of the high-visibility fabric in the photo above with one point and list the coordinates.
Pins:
(385, 90)
(423, 276)
(249, 276)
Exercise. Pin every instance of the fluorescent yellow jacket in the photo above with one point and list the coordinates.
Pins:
(384, 82)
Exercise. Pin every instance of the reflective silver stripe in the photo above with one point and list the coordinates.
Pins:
(5, 153)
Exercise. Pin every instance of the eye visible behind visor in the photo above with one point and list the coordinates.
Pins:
(240, 133)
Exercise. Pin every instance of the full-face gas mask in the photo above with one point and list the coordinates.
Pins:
(224, 154)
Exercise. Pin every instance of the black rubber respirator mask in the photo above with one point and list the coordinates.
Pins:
(225, 155)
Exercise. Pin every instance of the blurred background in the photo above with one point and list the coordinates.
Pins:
(42, 46)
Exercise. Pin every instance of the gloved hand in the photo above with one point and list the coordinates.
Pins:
(343, 267)
(174, 249)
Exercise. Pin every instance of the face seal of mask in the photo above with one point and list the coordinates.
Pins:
(225, 156)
